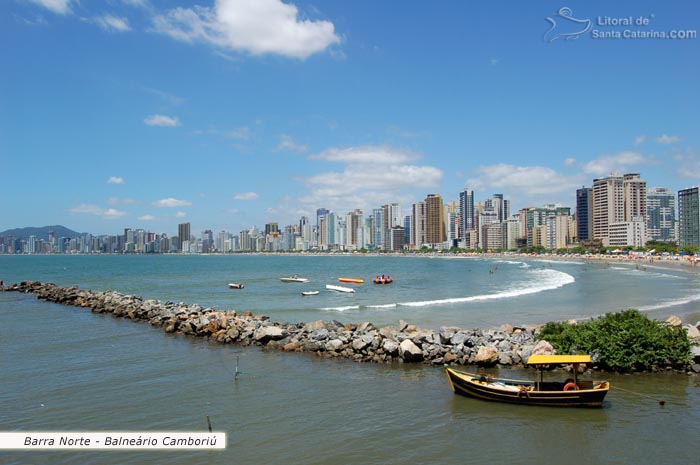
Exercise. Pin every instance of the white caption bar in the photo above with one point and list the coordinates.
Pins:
(169, 440)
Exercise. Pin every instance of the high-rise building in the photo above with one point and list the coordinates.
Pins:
(418, 225)
(617, 199)
(183, 233)
(407, 229)
(689, 217)
(391, 217)
(584, 214)
(354, 223)
(635, 190)
(377, 233)
(435, 222)
(466, 212)
(661, 214)
(608, 205)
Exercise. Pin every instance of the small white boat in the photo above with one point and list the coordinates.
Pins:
(236, 285)
(294, 279)
(333, 287)
(305, 293)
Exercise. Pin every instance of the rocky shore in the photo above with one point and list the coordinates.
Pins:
(364, 342)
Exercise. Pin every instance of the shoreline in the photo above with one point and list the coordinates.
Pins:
(507, 346)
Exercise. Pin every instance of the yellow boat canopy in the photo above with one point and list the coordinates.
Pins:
(557, 359)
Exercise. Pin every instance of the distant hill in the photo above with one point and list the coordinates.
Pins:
(40, 233)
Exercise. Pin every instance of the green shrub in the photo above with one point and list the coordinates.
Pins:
(623, 341)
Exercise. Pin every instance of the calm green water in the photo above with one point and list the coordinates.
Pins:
(63, 368)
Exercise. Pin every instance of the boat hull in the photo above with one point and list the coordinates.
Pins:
(469, 384)
(332, 287)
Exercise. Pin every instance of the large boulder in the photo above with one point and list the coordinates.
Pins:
(543, 348)
(410, 352)
(269, 333)
(693, 332)
(334, 345)
(390, 347)
(486, 356)
(362, 342)
(314, 326)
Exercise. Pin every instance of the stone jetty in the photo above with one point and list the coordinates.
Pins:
(364, 342)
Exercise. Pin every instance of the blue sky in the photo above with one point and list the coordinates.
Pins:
(232, 113)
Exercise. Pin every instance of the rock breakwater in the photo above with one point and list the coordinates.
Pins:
(402, 343)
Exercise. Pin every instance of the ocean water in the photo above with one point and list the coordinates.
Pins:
(65, 368)
(429, 292)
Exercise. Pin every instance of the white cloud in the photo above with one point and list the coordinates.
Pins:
(161, 120)
(60, 7)
(113, 214)
(89, 209)
(246, 196)
(171, 203)
(112, 23)
(382, 155)
(570, 161)
(242, 133)
(139, 3)
(666, 139)
(115, 180)
(606, 164)
(639, 140)
(170, 99)
(372, 175)
(180, 215)
(257, 27)
(287, 143)
(147, 218)
(124, 201)
(688, 165)
(232, 211)
(523, 180)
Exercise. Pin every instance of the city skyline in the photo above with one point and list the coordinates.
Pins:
(142, 114)
(618, 211)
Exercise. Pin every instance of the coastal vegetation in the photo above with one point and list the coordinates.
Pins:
(622, 341)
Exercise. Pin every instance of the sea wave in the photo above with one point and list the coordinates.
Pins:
(383, 306)
(671, 303)
(341, 309)
(535, 281)
(545, 280)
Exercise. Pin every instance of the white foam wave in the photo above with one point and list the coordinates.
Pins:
(671, 303)
(654, 274)
(341, 309)
(560, 262)
(545, 280)
(383, 306)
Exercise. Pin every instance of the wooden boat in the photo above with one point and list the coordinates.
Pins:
(332, 287)
(294, 279)
(569, 393)
(305, 293)
(236, 285)
(351, 280)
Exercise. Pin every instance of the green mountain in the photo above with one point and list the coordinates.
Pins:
(40, 233)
